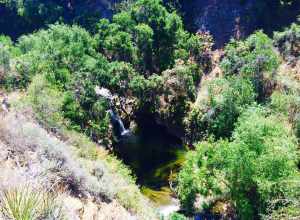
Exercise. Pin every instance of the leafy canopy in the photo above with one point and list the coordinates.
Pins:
(256, 167)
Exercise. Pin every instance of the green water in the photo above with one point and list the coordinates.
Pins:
(155, 156)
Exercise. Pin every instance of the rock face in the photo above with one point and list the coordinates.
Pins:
(222, 18)
(237, 18)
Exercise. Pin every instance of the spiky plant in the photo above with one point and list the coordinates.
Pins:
(25, 203)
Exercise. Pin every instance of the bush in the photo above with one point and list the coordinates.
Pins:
(6, 54)
(57, 52)
(253, 58)
(227, 98)
(68, 68)
(287, 104)
(199, 175)
(227, 103)
(178, 91)
(251, 171)
(288, 42)
(177, 216)
(46, 101)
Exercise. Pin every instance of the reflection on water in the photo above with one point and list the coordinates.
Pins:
(155, 156)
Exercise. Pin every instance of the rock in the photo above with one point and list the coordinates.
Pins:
(167, 210)
(90, 211)
(225, 19)
(73, 208)
(76, 209)
(114, 211)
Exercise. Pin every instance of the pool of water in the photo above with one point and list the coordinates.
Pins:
(155, 157)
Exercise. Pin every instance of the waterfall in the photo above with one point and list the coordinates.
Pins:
(118, 125)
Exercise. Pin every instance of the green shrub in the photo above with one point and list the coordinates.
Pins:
(251, 171)
(287, 104)
(253, 58)
(227, 101)
(46, 101)
(285, 207)
(5, 57)
(178, 91)
(199, 174)
(57, 52)
(227, 98)
(177, 216)
(288, 42)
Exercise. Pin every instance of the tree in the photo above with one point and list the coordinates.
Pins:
(148, 36)
(253, 58)
(255, 168)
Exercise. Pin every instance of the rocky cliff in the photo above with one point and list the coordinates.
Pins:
(237, 18)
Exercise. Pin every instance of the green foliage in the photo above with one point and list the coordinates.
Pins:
(288, 42)
(291, 211)
(179, 90)
(253, 58)
(46, 101)
(121, 75)
(227, 98)
(287, 104)
(5, 44)
(197, 47)
(25, 203)
(200, 174)
(58, 51)
(251, 171)
(139, 45)
(68, 68)
(177, 216)
(148, 36)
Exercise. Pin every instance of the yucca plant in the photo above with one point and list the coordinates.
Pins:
(25, 203)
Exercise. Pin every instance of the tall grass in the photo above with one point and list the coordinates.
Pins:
(25, 203)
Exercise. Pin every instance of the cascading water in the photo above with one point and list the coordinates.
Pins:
(118, 125)
(151, 152)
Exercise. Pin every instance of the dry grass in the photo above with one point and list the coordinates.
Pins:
(77, 165)
(56, 157)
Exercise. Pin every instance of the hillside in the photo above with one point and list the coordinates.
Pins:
(137, 117)
(75, 176)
